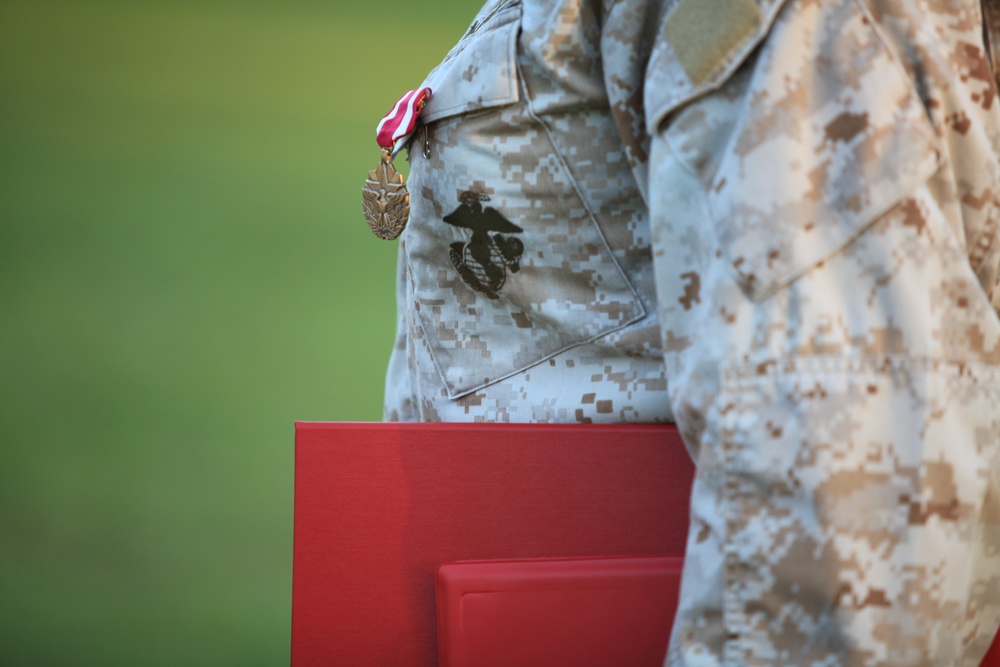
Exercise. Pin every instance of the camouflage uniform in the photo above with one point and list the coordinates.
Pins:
(817, 181)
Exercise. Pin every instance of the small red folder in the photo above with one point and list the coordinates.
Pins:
(585, 612)
(379, 507)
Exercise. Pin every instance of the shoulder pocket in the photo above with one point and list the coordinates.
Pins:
(507, 264)
(827, 135)
(700, 44)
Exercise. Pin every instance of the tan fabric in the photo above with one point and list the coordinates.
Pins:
(796, 241)
(991, 33)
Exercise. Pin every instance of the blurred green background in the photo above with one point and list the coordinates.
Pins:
(184, 272)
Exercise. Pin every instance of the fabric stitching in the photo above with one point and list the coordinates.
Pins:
(731, 600)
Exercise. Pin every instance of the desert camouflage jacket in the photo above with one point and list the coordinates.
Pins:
(775, 222)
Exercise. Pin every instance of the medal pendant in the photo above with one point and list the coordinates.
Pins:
(387, 203)
(386, 200)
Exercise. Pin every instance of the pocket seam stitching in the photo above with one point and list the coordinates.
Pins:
(732, 645)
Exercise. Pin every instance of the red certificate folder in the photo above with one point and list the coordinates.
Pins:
(584, 612)
(379, 507)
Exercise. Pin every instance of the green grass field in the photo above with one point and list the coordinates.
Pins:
(184, 272)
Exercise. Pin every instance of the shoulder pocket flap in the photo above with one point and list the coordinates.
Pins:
(832, 135)
(700, 44)
(480, 71)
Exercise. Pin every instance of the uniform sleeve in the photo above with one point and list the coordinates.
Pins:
(823, 195)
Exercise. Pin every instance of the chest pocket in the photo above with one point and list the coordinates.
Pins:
(507, 266)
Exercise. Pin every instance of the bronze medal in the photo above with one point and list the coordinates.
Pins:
(386, 200)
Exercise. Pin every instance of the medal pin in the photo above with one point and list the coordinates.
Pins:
(386, 200)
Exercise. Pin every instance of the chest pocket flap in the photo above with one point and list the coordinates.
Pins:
(470, 79)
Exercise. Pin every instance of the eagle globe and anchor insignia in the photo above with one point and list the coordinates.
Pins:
(483, 260)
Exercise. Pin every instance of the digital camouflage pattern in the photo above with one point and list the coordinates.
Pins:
(838, 375)
(526, 282)
(794, 206)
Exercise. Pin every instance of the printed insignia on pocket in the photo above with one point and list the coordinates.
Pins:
(483, 260)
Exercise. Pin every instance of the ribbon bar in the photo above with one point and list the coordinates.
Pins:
(401, 121)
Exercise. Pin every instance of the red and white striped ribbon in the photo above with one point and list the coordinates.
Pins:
(401, 121)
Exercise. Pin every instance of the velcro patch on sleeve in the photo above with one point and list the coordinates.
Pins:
(704, 33)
